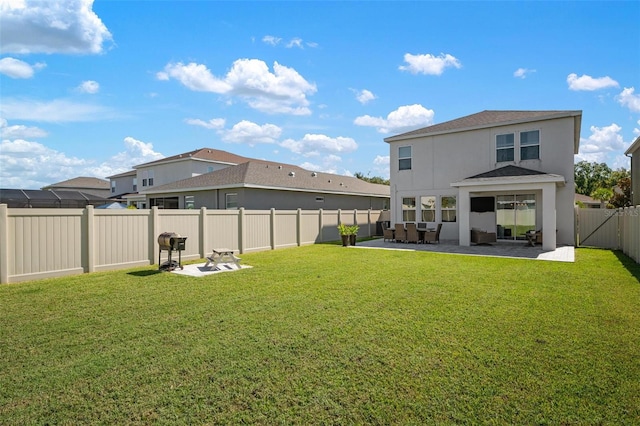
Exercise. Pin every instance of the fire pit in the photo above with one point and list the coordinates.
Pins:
(170, 242)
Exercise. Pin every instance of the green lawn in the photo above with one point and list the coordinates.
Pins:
(329, 335)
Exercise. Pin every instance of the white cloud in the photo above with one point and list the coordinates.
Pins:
(364, 96)
(214, 123)
(272, 40)
(381, 166)
(56, 111)
(251, 133)
(628, 99)
(328, 164)
(32, 165)
(16, 68)
(19, 131)
(586, 82)
(315, 145)
(636, 130)
(283, 91)
(89, 86)
(63, 26)
(429, 64)
(522, 72)
(602, 142)
(403, 119)
(295, 42)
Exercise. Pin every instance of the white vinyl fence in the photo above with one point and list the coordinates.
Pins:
(617, 229)
(42, 243)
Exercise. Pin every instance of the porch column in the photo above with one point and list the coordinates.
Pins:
(464, 209)
(549, 216)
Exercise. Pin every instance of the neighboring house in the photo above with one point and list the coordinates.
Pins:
(634, 152)
(88, 185)
(123, 184)
(257, 184)
(506, 172)
(132, 184)
(584, 201)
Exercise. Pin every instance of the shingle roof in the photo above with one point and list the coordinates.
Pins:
(206, 154)
(266, 174)
(507, 171)
(119, 175)
(81, 182)
(487, 118)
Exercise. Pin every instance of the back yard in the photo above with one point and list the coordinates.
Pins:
(324, 334)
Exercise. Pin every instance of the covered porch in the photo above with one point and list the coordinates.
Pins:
(509, 202)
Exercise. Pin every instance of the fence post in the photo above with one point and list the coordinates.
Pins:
(204, 231)
(369, 222)
(272, 230)
(90, 233)
(299, 227)
(241, 230)
(4, 244)
(153, 228)
(320, 223)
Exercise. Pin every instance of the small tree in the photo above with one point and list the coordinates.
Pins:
(604, 195)
(622, 193)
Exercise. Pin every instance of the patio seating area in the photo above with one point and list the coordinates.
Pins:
(508, 249)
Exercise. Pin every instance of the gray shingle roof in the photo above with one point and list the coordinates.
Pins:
(81, 182)
(266, 174)
(507, 171)
(487, 118)
(207, 154)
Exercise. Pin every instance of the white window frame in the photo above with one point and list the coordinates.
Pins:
(505, 148)
(529, 145)
(408, 209)
(428, 208)
(402, 158)
(231, 201)
(444, 209)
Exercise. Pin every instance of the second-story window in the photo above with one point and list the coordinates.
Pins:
(530, 145)
(504, 147)
(150, 177)
(404, 158)
(113, 186)
(135, 184)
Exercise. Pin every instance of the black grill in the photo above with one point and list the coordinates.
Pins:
(170, 242)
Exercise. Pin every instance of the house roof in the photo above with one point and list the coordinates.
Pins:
(125, 174)
(81, 182)
(492, 118)
(634, 147)
(508, 175)
(270, 175)
(585, 199)
(203, 154)
(507, 171)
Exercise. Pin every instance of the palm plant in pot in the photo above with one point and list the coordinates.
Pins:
(344, 231)
(353, 234)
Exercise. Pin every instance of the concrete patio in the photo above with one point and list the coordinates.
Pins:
(507, 249)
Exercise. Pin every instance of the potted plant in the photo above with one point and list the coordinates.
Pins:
(344, 231)
(353, 234)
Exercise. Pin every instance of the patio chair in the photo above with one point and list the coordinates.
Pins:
(387, 233)
(482, 237)
(433, 236)
(400, 234)
(412, 233)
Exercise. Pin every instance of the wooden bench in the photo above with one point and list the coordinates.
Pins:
(222, 255)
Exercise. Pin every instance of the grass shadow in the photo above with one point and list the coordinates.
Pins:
(144, 273)
(629, 264)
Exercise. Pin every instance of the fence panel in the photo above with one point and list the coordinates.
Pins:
(222, 228)
(630, 232)
(286, 228)
(121, 238)
(43, 241)
(257, 230)
(597, 228)
(310, 231)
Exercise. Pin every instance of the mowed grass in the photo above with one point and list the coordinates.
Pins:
(329, 335)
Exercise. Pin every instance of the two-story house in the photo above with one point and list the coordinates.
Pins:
(506, 172)
(634, 152)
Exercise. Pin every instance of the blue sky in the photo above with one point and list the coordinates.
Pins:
(92, 88)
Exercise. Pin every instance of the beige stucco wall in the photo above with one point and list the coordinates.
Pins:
(438, 161)
(176, 170)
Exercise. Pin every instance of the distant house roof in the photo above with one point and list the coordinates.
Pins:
(125, 174)
(270, 175)
(80, 182)
(48, 198)
(491, 118)
(585, 199)
(204, 154)
(634, 147)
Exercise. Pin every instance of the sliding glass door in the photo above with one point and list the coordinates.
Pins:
(515, 215)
